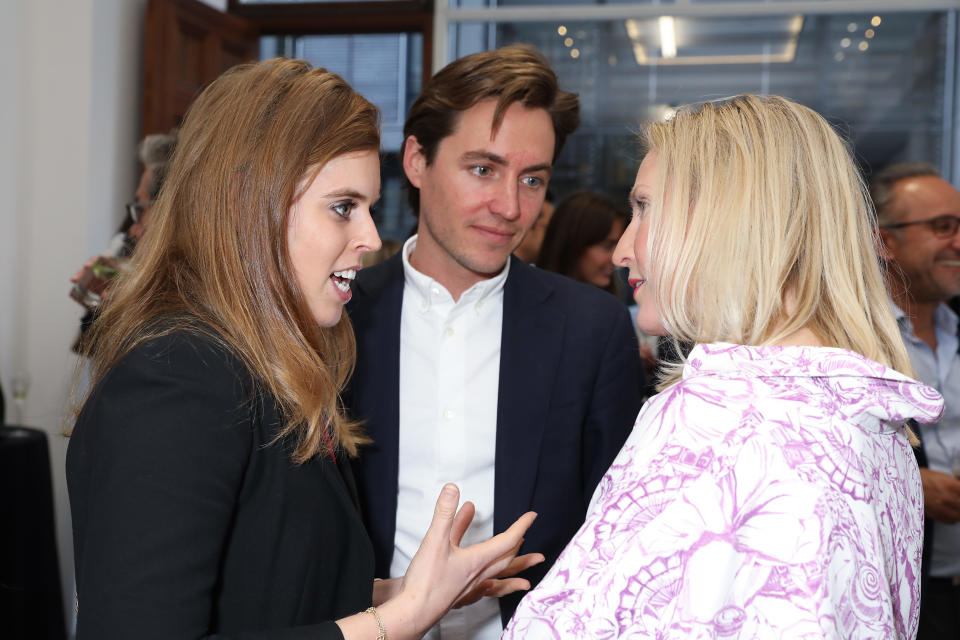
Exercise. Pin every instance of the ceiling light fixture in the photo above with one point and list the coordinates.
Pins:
(635, 31)
(668, 37)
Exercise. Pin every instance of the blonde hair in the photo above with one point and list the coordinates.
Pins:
(215, 259)
(764, 228)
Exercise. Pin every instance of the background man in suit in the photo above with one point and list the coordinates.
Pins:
(473, 367)
(919, 217)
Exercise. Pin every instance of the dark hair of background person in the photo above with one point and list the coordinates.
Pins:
(516, 73)
(883, 182)
(216, 259)
(581, 220)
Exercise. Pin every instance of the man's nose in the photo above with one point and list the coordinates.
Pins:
(505, 202)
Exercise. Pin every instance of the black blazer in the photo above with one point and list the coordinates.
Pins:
(569, 392)
(187, 524)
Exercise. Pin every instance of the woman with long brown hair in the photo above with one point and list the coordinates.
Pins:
(208, 470)
(581, 237)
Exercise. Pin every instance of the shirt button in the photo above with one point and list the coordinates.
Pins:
(448, 332)
(480, 304)
(448, 414)
(435, 291)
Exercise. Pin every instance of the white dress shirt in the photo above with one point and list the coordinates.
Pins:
(941, 439)
(449, 380)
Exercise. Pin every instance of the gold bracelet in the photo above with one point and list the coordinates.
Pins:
(381, 632)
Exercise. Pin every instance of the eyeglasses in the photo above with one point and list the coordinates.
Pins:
(941, 226)
(135, 209)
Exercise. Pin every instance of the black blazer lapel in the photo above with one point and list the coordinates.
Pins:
(529, 358)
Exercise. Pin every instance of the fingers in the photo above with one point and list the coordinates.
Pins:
(500, 566)
(518, 528)
(493, 588)
(498, 588)
(521, 563)
(443, 515)
(461, 522)
(477, 592)
(495, 554)
(86, 265)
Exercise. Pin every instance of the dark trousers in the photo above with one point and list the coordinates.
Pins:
(940, 612)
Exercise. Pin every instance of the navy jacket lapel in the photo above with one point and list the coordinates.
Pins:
(375, 313)
(529, 359)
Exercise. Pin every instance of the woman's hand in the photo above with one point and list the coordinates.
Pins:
(442, 573)
(498, 585)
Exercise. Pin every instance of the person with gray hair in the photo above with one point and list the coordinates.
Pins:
(882, 185)
(918, 214)
(155, 152)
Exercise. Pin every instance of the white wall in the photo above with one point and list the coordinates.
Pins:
(69, 124)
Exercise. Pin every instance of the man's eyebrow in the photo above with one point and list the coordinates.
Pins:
(546, 166)
(472, 156)
(477, 155)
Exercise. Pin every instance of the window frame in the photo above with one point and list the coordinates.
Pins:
(327, 18)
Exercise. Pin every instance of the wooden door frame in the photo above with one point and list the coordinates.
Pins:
(387, 16)
(164, 100)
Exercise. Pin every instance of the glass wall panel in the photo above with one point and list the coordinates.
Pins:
(478, 4)
(878, 78)
(256, 2)
(387, 68)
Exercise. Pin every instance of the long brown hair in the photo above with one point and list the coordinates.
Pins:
(215, 258)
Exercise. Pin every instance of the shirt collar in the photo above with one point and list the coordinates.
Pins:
(903, 322)
(427, 288)
(944, 319)
(876, 389)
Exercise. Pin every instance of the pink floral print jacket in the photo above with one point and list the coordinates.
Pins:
(771, 493)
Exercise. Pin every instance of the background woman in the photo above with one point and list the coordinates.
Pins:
(581, 237)
(579, 244)
(209, 467)
(769, 490)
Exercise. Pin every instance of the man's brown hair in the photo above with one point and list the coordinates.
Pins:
(516, 73)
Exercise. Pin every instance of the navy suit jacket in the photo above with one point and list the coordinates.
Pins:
(569, 392)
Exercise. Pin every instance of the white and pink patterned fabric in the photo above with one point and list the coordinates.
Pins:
(771, 493)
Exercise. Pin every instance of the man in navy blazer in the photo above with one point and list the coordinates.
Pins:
(472, 366)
